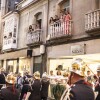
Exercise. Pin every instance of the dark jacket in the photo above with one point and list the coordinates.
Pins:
(9, 94)
(25, 89)
(44, 90)
(35, 91)
(2, 80)
(81, 91)
(97, 89)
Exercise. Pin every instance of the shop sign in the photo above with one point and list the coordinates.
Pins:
(77, 49)
(10, 32)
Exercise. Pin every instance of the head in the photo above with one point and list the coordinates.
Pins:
(36, 75)
(88, 72)
(51, 72)
(10, 79)
(2, 70)
(65, 74)
(51, 18)
(19, 74)
(56, 17)
(67, 12)
(98, 71)
(75, 77)
(77, 72)
(45, 75)
(30, 27)
(58, 72)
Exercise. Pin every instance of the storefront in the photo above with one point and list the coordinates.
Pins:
(65, 54)
(12, 66)
(24, 64)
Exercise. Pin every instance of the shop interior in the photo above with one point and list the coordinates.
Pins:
(92, 61)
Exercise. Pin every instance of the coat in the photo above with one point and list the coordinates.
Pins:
(79, 91)
(36, 90)
(97, 89)
(2, 80)
(8, 94)
(44, 90)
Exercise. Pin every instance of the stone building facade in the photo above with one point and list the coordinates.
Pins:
(30, 42)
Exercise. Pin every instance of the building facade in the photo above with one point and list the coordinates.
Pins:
(31, 41)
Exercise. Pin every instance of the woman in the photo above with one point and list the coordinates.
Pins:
(67, 19)
(25, 87)
(45, 85)
(35, 88)
(10, 92)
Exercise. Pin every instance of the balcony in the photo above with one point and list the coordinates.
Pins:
(92, 22)
(34, 37)
(60, 30)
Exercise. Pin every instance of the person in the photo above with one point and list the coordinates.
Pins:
(51, 73)
(45, 85)
(10, 92)
(56, 19)
(19, 81)
(30, 29)
(79, 88)
(2, 77)
(51, 21)
(35, 90)
(67, 19)
(97, 86)
(89, 77)
(58, 72)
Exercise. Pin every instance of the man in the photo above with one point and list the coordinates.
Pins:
(2, 78)
(79, 89)
(97, 87)
(89, 77)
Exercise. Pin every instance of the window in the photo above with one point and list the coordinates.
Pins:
(97, 4)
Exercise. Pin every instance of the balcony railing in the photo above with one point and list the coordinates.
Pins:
(34, 37)
(60, 29)
(92, 21)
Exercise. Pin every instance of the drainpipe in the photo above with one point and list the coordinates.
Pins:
(47, 30)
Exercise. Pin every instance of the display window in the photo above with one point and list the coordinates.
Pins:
(24, 65)
(12, 66)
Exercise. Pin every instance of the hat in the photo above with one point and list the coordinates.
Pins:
(98, 68)
(10, 79)
(59, 67)
(44, 75)
(37, 75)
(78, 67)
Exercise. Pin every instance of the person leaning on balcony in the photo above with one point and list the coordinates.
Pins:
(61, 16)
(67, 19)
(51, 21)
(30, 29)
(56, 19)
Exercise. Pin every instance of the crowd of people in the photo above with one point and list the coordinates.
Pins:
(31, 87)
(63, 20)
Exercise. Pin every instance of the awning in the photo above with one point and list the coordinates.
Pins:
(14, 55)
